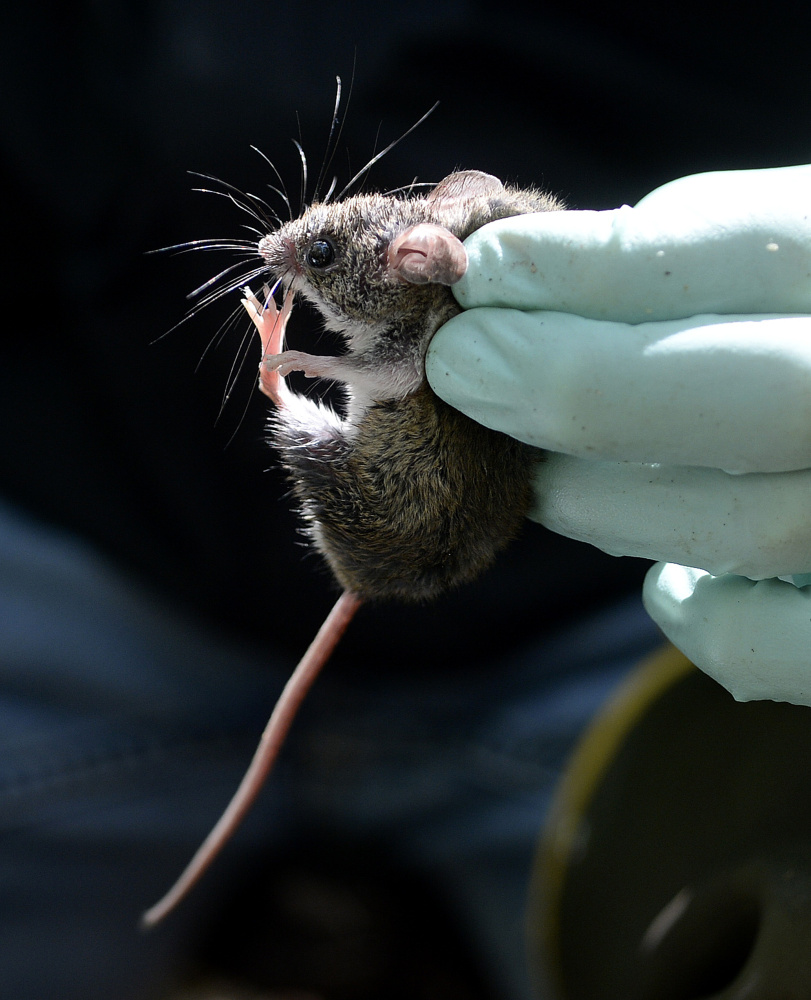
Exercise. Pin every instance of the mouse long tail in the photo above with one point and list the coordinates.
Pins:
(265, 755)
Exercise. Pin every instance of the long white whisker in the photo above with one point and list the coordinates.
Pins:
(303, 173)
(214, 243)
(282, 190)
(261, 233)
(410, 187)
(382, 153)
(225, 271)
(251, 204)
(334, 138)
(331, 190)
(328, 150)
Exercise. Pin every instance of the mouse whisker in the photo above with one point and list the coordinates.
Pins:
(219, 337)
(379, 156)
(213, 296)
(258, 234)
(282, 190)
(268, 217)
(303, 158)
(331, 190)
(269, 213)
(238, 363)
(214, 243)
(409, 188)
(283, 196)
(270, 291)
(334, 138)
(231, 284)
(255, 206)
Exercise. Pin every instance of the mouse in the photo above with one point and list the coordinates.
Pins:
(403, 496)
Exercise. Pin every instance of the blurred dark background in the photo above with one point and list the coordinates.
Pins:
(116, 429)
(115, 424)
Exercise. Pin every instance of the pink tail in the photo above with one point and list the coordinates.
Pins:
(264, 758)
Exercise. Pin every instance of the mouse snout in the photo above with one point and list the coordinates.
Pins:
(279, 252)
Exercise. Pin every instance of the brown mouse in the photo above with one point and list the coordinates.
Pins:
(403, 496)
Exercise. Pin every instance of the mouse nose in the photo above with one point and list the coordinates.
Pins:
(279, 253)
(742, 935)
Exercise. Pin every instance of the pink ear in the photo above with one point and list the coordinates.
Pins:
(427, 254)
(466, 184)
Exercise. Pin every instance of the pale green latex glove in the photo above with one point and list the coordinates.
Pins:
(657, 353)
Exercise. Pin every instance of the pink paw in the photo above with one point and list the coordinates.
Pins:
(276, 363)
(311, 365)
(271, 322)
(288, 361)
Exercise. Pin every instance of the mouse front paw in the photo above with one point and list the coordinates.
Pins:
(310, 365)
(271, 322)
(268, 318)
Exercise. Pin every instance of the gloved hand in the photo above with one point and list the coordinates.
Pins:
(662, 355)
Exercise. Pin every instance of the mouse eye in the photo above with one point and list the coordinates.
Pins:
(320, 254)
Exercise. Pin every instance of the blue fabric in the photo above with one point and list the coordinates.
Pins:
(124, 729)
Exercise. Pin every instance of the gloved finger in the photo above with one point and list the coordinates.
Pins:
(725, 392)
(755, 525)
(733, 242)
(753, 638)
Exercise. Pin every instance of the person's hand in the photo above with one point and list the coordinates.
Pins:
(662, 356)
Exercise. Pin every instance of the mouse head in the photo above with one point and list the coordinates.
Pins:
(358, 260)
(361, 259)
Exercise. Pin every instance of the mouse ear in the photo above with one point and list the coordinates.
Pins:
(425, 254)
(466, 184)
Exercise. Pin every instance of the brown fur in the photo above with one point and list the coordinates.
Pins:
(401, 515)
(409, 497)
